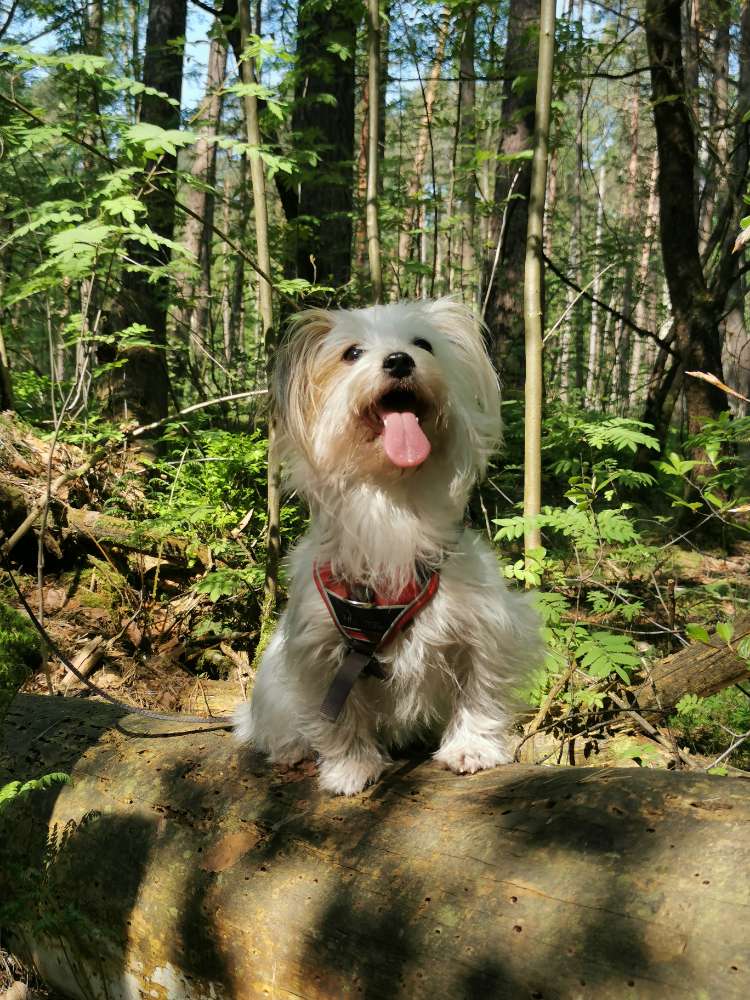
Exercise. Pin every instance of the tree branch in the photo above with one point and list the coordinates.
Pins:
(608, 308)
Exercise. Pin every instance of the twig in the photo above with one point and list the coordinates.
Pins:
(500, 240)
(571, 305)
(713, 380)
(608, 308)
(555, 690)
(729, 750)
(650, 730)
(144, 428)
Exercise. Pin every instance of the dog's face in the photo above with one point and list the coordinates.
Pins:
(376, 394)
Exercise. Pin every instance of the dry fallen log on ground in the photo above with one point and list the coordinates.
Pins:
(19, 513)
(107, 530)
(180, 868)
(700, 669)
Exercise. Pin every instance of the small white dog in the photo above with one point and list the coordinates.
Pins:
(399, 624)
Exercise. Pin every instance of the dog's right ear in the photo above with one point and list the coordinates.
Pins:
(294, 380)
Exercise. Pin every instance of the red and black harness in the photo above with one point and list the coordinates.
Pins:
(368, 622)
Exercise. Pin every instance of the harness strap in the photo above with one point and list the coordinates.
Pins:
(350, 670)
(367, 626)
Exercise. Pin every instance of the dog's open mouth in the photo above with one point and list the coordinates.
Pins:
(396, 416)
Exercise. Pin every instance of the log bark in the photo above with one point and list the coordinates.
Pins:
(95, 526)
(698, 669)
(179, 868)
(108, 530)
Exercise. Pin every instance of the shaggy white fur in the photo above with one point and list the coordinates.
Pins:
(450, 674)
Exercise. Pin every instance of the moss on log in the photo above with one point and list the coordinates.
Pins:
(180, 868)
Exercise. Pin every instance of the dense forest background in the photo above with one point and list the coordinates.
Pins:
(177, 178)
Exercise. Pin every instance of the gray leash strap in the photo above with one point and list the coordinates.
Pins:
(346, 676)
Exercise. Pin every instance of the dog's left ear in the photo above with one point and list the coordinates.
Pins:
(294, 369)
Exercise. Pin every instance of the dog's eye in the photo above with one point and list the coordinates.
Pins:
(353, 353)
(424, 344)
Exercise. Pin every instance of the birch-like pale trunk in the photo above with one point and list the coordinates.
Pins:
(413, 212)
(641, 315)
(532, 287)
(717, 126)
(194, 314)
(263, 251)
(238, 334)
(466, 161)
(572, 341)
(373, 105)
(595, 327)
(550, 202)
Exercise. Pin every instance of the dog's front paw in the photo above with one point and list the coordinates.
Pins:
(349, 775)
(290, 754)
(468, 758)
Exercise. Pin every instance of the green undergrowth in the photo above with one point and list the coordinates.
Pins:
(19, 653)
(708, 726)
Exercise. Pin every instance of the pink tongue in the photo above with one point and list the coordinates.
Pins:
(404, 440)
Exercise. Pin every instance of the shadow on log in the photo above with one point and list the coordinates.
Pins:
(180, 868)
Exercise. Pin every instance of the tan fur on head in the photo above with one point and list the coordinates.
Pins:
(296, 381)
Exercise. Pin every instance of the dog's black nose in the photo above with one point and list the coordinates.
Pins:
(399, 364)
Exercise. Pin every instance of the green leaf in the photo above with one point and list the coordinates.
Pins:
(725, 631)
(687, 704)
(156, 140)
(697, 633)
(604, 653)
(15, 789)
(125, 205)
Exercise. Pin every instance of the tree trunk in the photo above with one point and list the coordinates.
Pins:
(533, 295)
(467, 156)
(696, 319)
(623, 333)
(736, 347)
(236, 332)
(176, 867)
(700, 669)
(139, 390)
(595, 338)
(504, 313)
(413, 212)
(319, 203)
(373, 149)
(643, 292)
(194, 315)
(267, 335)
(360, 225)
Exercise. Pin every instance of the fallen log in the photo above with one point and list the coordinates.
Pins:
(181, 868)
(107, 530)
(20, 512)
(701, 669)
